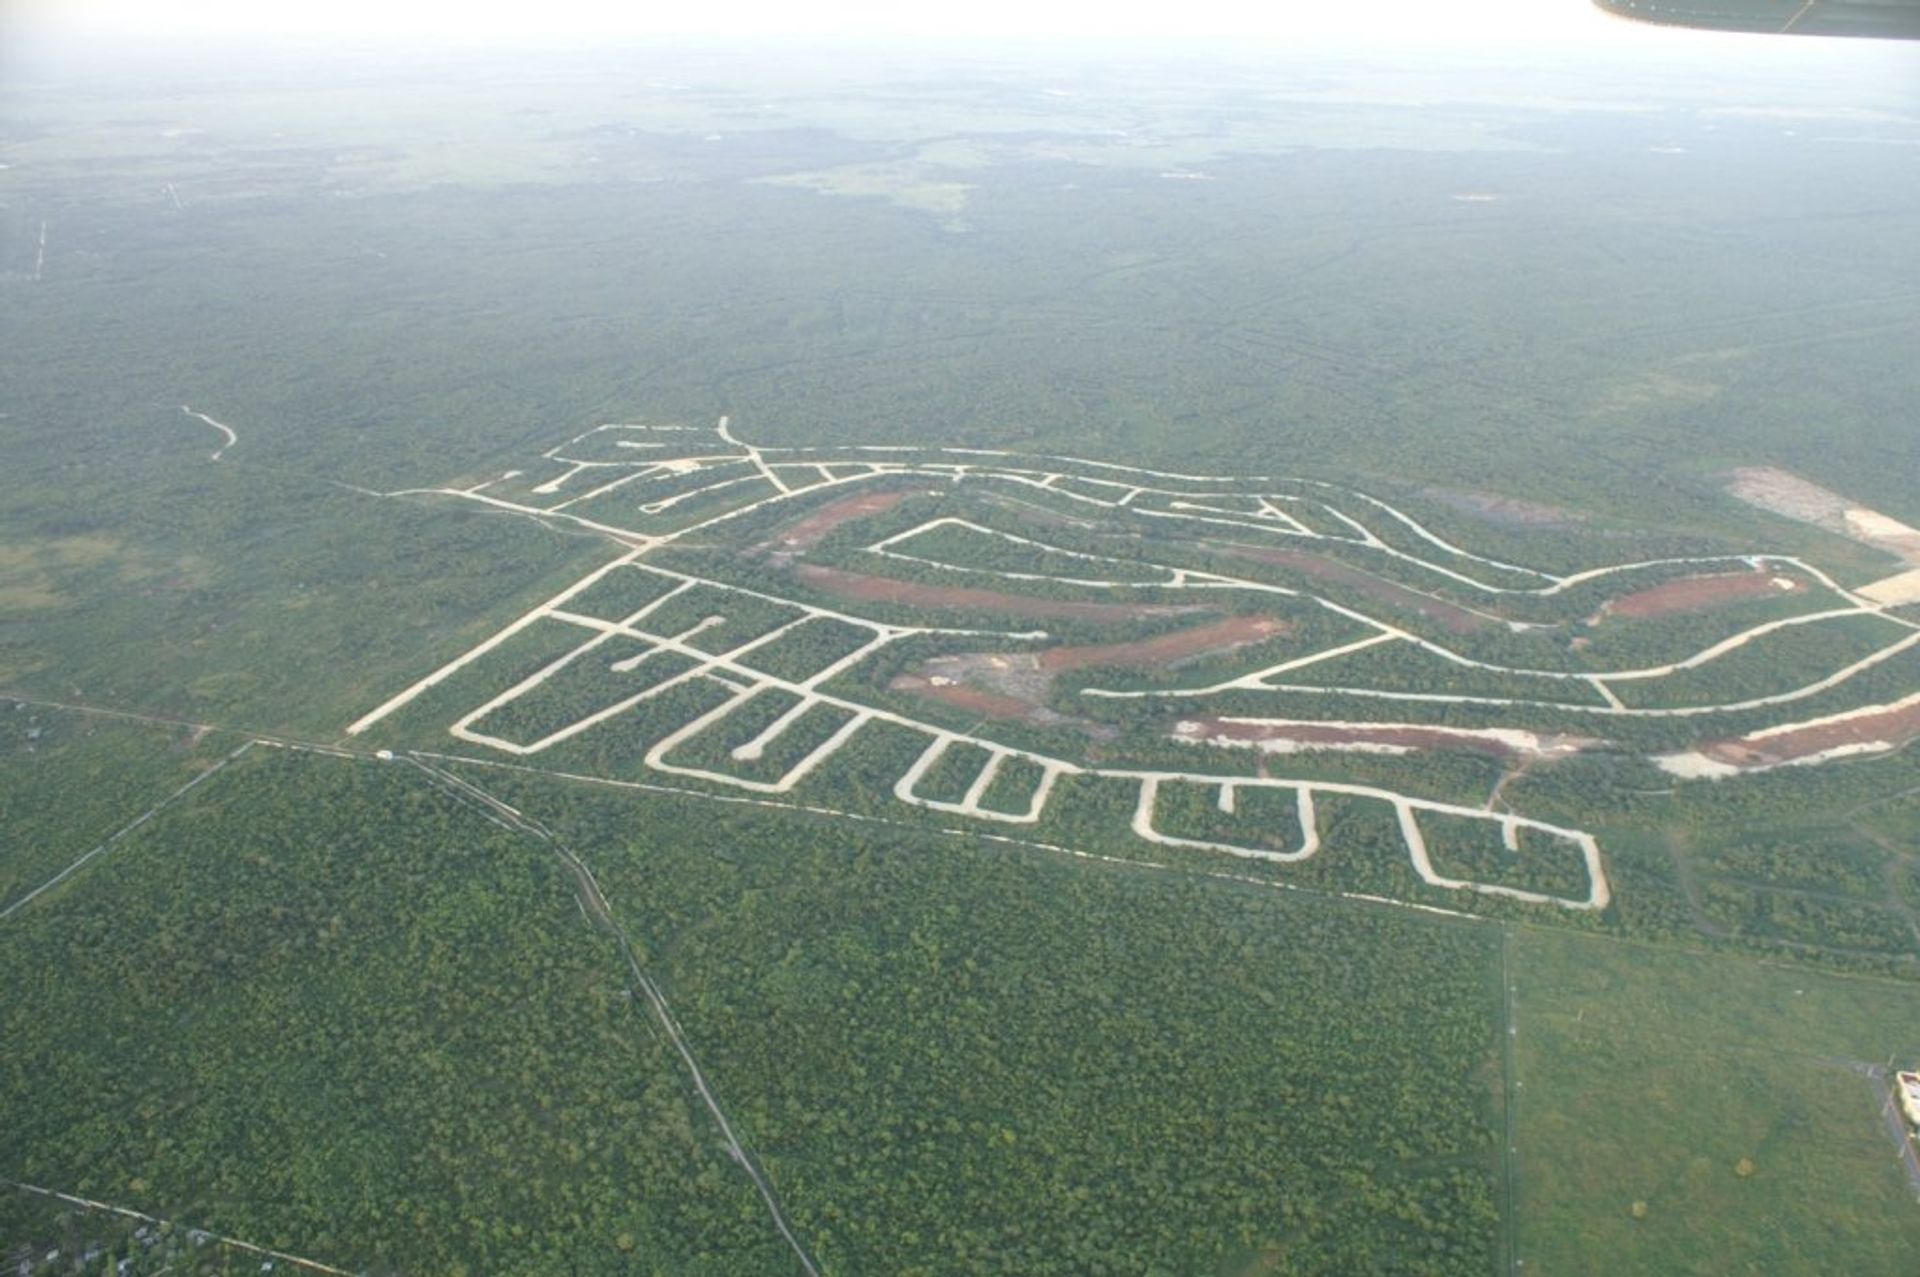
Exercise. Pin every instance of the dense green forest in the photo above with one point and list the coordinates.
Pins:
(962, 1058)
(322, 1007)
(74, 780)
(382, 1035)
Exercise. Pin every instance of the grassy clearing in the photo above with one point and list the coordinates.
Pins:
(1647, 1076)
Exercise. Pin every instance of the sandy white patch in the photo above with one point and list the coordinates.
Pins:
(1894, 591)
(1694, 765)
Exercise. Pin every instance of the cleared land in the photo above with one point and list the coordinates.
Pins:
(858, 587)
(961, 696)
(1788, 494)
(1164, 651)
(1017, 684)
(809, 531)
(1701, 593)
(1283, 737)
(714, 687)
(1872, 730)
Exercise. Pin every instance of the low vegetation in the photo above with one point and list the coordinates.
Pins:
(1693, 1113)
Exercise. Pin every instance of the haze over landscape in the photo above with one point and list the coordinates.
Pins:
(1042, 639)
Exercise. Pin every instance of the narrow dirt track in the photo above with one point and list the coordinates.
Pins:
(594, 902)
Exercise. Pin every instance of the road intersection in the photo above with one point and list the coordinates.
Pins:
(649, 487)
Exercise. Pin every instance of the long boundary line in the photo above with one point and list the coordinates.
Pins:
(1510, 1137)
(954, 831)
(1785, 963)
(595, 904)
(682, 791)
(538, 831)
(123, 831)
(127, 1212)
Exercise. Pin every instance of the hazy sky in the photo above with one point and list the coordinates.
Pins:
(1868, 72)
(1284, 21)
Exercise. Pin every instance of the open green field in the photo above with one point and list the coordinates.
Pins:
(1705, 1114)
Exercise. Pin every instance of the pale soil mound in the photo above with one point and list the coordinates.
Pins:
(1894, 591)
(1393, 737)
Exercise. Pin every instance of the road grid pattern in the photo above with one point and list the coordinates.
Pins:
(650, 473)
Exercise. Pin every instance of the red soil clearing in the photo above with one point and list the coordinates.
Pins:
(1014, 684)
(1893, 726)
(960, 696)
(879, 589)
(1455, 620)
(1330, 734)
(809, 531)
(1699, 593)
(1167, 649)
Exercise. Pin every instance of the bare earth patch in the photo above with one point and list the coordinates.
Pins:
(972, 699)
(1899, 590)
(1702, 593)
(1286, 737)
(1872, 730)
(880, 589)
(1786, 493)
(1167, 650)
(809, 531)
(1015, 684)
